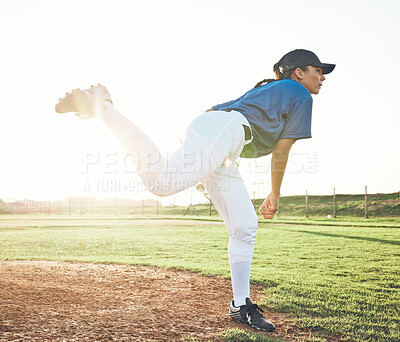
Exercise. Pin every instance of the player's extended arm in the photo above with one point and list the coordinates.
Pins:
(280, 156)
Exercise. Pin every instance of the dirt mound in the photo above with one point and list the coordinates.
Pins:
(63, 301)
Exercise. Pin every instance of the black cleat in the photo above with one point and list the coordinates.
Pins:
(250, 314)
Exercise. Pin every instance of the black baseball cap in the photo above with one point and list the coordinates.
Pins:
(300, 58)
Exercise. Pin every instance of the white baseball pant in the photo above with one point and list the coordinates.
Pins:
(213, 142)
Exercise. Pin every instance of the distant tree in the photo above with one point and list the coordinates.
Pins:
(3, 207)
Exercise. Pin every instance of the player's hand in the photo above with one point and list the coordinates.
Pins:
(269, 207)
(210, 110)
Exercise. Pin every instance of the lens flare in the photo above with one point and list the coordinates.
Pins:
(228, 162)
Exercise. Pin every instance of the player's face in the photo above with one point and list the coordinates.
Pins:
(312, 79)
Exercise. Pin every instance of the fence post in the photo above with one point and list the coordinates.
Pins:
(334, 202)
(191, 204)
(157, 204)
(366, 203)
(210, 206)
(306, 203)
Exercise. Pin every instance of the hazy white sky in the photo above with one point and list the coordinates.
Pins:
(165, 62)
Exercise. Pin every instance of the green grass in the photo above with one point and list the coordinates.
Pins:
(333, 278)
(234, 335)
(385, 222)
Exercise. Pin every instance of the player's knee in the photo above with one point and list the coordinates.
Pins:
(245, 230)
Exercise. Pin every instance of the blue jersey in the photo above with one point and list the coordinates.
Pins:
(276, 110)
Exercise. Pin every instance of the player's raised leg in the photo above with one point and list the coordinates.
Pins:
(210, 139)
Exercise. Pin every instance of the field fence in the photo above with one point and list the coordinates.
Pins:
(336, 205)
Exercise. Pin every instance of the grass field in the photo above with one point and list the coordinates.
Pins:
(341, 278)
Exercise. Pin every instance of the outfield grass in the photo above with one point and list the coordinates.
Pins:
(334, 278)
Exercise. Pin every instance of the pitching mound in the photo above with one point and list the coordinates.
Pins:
(63, 301)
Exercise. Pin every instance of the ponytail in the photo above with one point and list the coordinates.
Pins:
(265, 80)
(280, 74)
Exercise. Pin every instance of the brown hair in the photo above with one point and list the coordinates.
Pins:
(279, 75)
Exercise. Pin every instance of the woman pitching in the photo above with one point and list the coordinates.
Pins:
(267, 119)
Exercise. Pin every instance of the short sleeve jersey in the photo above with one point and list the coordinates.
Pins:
(277, 110)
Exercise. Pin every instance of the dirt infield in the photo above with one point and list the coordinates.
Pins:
(63, 301)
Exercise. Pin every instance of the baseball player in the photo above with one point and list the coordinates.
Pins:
(267, 119)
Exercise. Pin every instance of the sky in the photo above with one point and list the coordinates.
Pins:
(166, 62)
